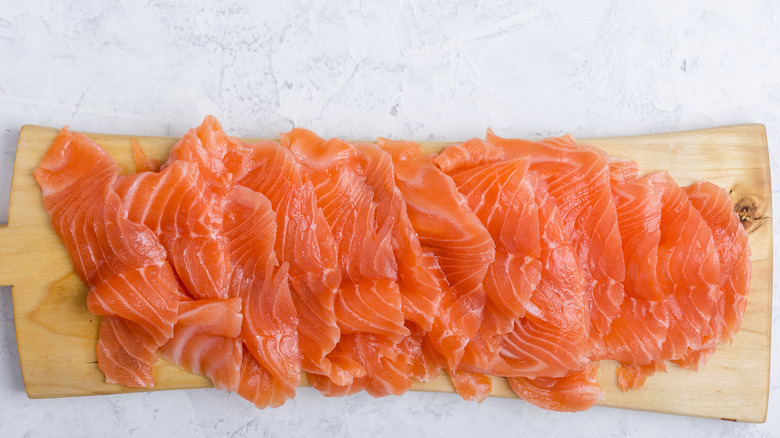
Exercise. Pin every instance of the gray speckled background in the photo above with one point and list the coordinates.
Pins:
(402, 69)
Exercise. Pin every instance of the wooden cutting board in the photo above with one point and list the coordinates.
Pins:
(56, 334)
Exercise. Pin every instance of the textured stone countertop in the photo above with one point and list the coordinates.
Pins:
(399, 69)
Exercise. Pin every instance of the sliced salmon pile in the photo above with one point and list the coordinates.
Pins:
(370, 266)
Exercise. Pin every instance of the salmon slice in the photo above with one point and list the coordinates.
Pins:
(121, 261)
(634, 376)
(425, 362)
(689, 274)
(143, 163)
(206, 146)
(387, 369)
(303, 240)
(347, 359)
(482, 352)
(351, 369)
(270, 325)
(182, 210)
(125, 353)
(621, 170)
(535, 285)
(553, 338)
(691, 270)
(577, 391)
(638, 205)
(371, 307)
(363, 239)
(369, 299)
(206, 340)
(369, 303)
(418, 286)
(502, 196)
(259, 386)
(636, 337)
(561, 296)
(459, 245)
(579, 179)
(539, 349)
(731, 243)
(471, 386)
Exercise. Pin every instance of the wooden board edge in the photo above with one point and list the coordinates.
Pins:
(6, 265)
(441, 385)
(760, 129)
(767, 221)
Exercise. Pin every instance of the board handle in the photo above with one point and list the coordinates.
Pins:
(5, 263)
(6, 173)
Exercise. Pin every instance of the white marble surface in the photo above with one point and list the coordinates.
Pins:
(402, 69)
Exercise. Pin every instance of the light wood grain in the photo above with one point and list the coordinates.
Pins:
(56, 335)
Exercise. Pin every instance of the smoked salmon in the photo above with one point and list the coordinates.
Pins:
(369, 300)
(573, 392)
(731, 243)
(179, 207)
(419, 289)
(303, 240)
(636, 337)
(578, 178)
(370, 266)
(206, 340)
(269, 329)
(535, 282)
(459, 243)
(130, 281)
